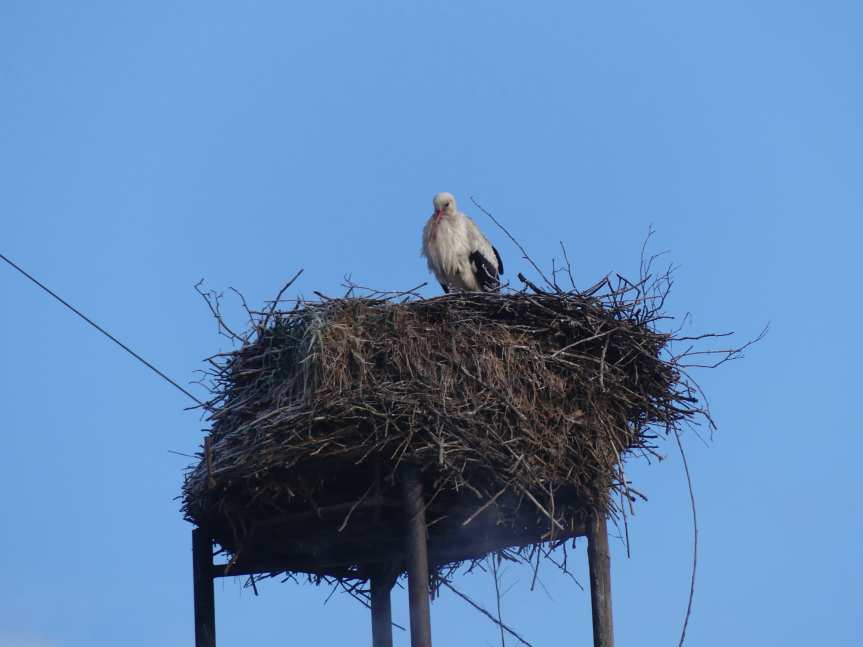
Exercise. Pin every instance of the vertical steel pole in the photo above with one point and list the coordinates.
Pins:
(382, 613)
(205, 601)
(417, 557)
(599, 564)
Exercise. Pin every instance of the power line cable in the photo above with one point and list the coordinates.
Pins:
(104, 332)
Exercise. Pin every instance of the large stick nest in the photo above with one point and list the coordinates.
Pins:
(518, 408)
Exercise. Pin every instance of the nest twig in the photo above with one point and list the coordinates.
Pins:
(520, 408)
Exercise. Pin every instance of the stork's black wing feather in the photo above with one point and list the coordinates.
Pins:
(445, 288)
(485, 272)
(499, 260)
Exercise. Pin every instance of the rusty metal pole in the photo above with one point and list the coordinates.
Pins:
(382, 613)
(417, 556)
(599, 564)
(205, 601)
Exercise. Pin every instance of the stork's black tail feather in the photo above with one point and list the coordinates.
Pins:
(486, 273)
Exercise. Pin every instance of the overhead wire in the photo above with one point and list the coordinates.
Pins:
(104, 332)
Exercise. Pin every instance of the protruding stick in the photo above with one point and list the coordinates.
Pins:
(599, 562)
(417, 557)
(382, 613)
(205, 601)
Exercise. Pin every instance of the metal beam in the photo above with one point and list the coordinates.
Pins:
(382, 613)
(416, 547)
(205, 601)
(599, 564)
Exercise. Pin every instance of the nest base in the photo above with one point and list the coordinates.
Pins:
(349, 539)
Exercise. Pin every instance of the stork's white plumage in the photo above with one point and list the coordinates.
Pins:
(457, 252)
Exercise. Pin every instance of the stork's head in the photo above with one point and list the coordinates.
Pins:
(444, 204)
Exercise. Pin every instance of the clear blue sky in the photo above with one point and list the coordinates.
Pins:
(146, 145)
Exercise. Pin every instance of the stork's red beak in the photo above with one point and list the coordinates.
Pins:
(438, 214)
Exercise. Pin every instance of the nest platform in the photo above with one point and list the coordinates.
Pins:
(514, 410)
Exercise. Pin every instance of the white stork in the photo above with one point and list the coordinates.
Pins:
(458, 254)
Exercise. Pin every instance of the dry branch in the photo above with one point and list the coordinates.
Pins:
(519, 408)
